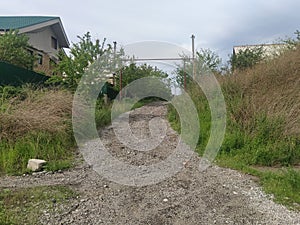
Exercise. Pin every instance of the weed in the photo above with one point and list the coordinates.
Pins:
(57, 150)
(24, 206)
(263, 122)
(284, 185)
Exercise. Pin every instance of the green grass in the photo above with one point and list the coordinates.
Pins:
(25, 134)
(56, 149)
(252, 139)
(102, 114)
(284, 185)
(263, 145)
(24, 206)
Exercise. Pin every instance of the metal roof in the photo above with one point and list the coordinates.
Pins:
(18, 22)
(28, 23)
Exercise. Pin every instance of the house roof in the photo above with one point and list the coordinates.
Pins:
(18, 22)
(29, 23)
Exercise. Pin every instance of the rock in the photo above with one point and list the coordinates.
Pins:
(35, 164)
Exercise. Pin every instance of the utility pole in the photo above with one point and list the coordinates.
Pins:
(193, 54)
(193, 46)
(115, 51)
(184, 75)
(115, 47)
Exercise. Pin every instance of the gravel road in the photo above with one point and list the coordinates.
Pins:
(215, 196)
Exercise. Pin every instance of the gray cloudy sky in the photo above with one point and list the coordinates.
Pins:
(217, 24)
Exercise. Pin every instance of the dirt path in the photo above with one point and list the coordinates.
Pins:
(216, 196)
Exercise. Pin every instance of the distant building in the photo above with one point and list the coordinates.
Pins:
(269, 50)
(46, 37)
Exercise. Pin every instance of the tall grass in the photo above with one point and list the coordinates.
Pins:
(263, 106)
(56, 149)
(35, 123)
(263, 122)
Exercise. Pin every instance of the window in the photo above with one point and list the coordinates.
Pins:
(53, 42)
(40, 59)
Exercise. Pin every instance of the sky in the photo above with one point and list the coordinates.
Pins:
(217, 24)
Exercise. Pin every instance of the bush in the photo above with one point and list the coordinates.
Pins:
(35, 123)
(14, 49)
(247, 58)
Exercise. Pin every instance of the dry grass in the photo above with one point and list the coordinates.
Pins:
(273, 87)
(41, 111)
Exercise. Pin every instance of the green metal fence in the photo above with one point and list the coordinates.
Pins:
(13, 75)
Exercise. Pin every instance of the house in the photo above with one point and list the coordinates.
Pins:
(269, 50)
(46, 37)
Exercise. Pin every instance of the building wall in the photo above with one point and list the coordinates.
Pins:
(269, 50)
(45, 66)
(41, 40)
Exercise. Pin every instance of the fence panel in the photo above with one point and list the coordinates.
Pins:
(13, 75)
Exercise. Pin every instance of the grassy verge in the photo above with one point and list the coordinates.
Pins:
(242, 152)
(57, 150)
(263, 121)
(24, 206)
(283, 183)
(35, 123)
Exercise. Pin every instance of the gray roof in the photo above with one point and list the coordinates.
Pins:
(26, 22)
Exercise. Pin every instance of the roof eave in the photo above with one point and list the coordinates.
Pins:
(63, 41)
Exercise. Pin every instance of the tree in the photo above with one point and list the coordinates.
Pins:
(292, 43)
(72, 66)
(246, 58)
(14, 49)
(209, 58)
(133, 72)
(205, 60)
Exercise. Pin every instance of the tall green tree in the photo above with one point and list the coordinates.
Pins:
(14, 49)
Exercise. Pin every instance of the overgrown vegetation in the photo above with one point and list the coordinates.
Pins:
(14, 49)
(246, 58)
(73, 65)
(24, 206)
(263, 123)
(35, 123)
